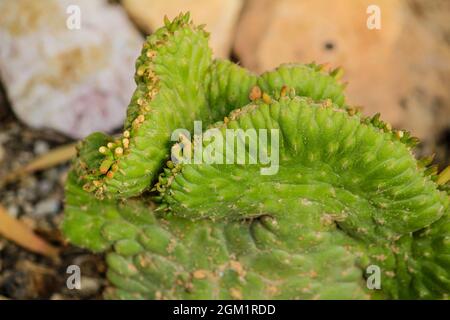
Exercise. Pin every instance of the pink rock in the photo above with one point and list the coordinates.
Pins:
(73, 80)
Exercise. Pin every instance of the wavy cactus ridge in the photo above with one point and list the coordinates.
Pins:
(322, 148)
(171, 94)
(165, 81)
(348, 193)
(309, 80)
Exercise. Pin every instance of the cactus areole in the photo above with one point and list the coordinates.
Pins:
(350, 213)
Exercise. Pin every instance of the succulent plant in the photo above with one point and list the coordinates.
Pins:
(349, 192)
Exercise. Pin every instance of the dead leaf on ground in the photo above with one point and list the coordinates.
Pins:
(54, 157)
(16, 231)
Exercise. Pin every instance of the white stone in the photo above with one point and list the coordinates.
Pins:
(74, 81)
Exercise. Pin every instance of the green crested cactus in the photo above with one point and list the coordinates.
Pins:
(348, 192)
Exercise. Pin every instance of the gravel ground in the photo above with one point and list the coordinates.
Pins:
(37, 201)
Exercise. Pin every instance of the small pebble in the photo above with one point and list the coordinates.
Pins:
(44, 187)
(4, 137)
(58, 296)
(40, 147)
(13, 211)
(25, 194)
(8, 196)
(52, 174)
(2, 245)
(29, 182)
(46, 207)
(2, 153)
(27, 208)
(89, 286)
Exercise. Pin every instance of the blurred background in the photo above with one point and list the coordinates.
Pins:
(66, 69)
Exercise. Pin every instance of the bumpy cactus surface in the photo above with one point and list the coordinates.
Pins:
(348, 193)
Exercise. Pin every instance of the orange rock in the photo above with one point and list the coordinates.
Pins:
(400, 70)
